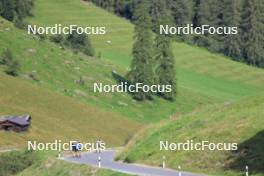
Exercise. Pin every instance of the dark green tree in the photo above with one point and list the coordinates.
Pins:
(119, 6)
(23, 8)
(253, 35)
(1, 7)
(182, 13)
(8, 9)
(165, 70)
(142, 63)
(210, 13)
(16, 9)
(155, 13)
(232, 18)
(106, 4)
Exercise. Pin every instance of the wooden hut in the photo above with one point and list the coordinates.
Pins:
(15, 123)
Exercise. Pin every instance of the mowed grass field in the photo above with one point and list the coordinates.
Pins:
(220, 93)
(58, 117)
(240, 122)
(229, 88)
(203, 78)
(198, 70)
(58, 69)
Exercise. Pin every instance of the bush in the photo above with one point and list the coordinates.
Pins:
(88, 51)
(14, 162)
(13, 68)
(80, 81)
(33, 77)
(80, 42)
(57, 38)
(99, 55)
(7, 59)
(77, 42)
(19, 23)
(42, 37)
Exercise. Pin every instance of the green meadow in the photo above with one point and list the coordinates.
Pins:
(217, 98)
(239, 122)
(209, 74)
(203, 77)
(58, 117)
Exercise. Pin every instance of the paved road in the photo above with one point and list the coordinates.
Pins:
(107, 162)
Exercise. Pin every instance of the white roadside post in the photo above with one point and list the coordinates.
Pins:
(163, 162)
(59, 154)
(179, 170)
(247, 173)
(99, 161)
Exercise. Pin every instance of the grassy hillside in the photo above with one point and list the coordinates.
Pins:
(120, 33)
(241, 122)
(199, 72)
(58, 117)
(203, 78)
(215, 89)
(58, 69)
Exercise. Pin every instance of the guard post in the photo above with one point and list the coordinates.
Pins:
(99, 161)
(247, 171)
(163, 162)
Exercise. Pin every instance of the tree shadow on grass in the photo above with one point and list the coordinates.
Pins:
(119, 79)
(250, 153)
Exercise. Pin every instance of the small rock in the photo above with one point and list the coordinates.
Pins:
(32, 50)
(122, 103)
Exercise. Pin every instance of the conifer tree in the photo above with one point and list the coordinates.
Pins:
(142, 63)
(119, 6)
(232, 18)
(252, 28)
(210, 13)
(165, 70)
(156, 13)
(1, 7)
(23, 8)
(108, 4)
(182, 13)
(8, 9)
